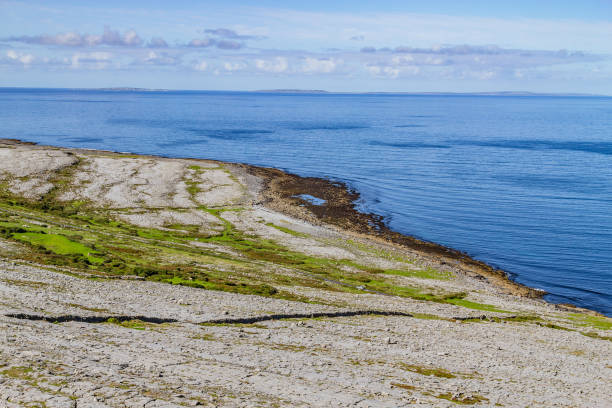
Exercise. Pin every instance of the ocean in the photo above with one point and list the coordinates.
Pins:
(523, 183)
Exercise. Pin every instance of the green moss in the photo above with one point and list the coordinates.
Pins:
(462, 399)
(252, 325)
(286, 347)
(192, 188)
(91, 309)
(129, 324)
(404, 386)
(597, 322)
(555, 326)
(151, 233)
(475, 305)
(58, 244)
(426, 316)
(230, 175)
(595, 335)
(287, 230)
(9, 226)
(22, 373)
(428, 273)
(190, 230)
(377, 251)
(428, 371)
(204, 336)
(31, 284)
(520, 318)
(511, 319)
(226, 286)
(91, 239)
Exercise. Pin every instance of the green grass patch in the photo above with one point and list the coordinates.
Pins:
(251, 325)
(287, 230)
(22, 373)
(555, 326)
(129, 156)
(31, 284)
(428, 273)
(404, 386)
(597, 322)
(190, 229)
(91, 309)
(476, 306)
(192, 188)
(462, 399)
(107, 246)
(378, 251)
(594, 335)
(225, 285)
(128, 324)
(204, 336)
(58, 244)
(428, 371)
(427, 316)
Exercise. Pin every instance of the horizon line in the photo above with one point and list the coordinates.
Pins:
(320, 91)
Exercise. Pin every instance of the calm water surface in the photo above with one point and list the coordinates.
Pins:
(523, 183)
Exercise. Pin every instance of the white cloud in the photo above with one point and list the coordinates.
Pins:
(213, 42)
(73, 39)
(158, 42)
(392, 71)
(383, 71)
(359, 46)
(25, 59)
(160, 58)
(130, 38)
(328, 29)
(319, 65)
(277, 65)
(231, 34)
(95, 60)
(234, 66)
(402, 59)
(201, 66)
(434, 60)
(204, 42)
(485, 75)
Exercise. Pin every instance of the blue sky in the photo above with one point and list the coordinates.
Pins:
(412, 46)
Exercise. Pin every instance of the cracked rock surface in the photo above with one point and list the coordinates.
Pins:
(168, 283)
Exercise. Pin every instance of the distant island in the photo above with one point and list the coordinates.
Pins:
(122, 89)
(492, 93)
(324, 92)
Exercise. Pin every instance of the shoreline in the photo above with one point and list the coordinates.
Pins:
(339, 210)
(134, 280)
(279, 194)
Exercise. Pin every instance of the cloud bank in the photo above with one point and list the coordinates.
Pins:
(223, 51)
(73, 39)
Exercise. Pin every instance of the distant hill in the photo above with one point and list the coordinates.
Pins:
(306, 91)
(493, 93)
(123, 89)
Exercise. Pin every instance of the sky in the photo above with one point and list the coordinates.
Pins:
(349, 46)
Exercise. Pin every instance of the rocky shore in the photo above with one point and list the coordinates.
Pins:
(142, 281)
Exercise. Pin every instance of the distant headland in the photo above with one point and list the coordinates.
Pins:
(325, 92)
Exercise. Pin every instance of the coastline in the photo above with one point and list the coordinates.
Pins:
(131, 280)
(280, 193)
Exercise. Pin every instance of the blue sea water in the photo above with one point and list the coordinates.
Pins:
(523, 183)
